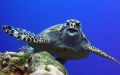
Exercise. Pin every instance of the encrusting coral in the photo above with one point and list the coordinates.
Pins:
(42, 63)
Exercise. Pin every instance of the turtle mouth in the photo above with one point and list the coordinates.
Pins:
(72, 30)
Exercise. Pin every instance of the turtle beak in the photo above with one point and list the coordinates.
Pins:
(72, 30)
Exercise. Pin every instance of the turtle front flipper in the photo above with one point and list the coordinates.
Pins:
(101, 53)
(22, 34)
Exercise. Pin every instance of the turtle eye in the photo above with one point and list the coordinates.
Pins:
(68, 23)
(78, 25)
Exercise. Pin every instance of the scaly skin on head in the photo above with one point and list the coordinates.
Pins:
(72, 30)
(73, 27)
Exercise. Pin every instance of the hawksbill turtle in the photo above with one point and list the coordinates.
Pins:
(66, 41)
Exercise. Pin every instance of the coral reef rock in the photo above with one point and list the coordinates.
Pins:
(42, 63)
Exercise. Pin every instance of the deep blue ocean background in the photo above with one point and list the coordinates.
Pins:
(100, 21)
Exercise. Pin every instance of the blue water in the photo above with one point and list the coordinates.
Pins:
(100, 22)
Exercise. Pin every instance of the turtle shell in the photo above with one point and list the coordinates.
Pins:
(54, 28)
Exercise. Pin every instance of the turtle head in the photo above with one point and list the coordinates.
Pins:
(73, 27)
(72, 30)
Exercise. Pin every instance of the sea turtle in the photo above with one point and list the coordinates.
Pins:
(66, 41)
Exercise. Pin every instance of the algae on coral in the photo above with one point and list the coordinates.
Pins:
(42, 63)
